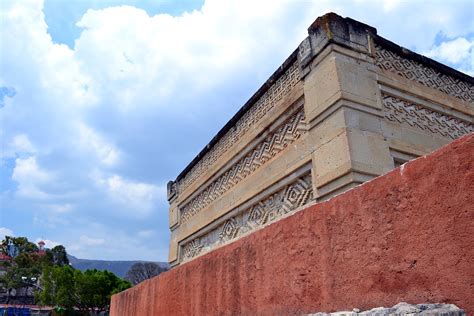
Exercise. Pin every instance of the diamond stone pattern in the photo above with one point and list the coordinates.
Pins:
(271, 208)
(391, 61)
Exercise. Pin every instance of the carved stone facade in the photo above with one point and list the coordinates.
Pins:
(271, 145)
(268, 210)
(345, 107)
(266, 102)
(415, 115)
(412, 70)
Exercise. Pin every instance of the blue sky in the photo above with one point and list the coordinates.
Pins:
(103, 102)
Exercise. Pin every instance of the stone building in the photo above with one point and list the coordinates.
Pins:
(346, 106)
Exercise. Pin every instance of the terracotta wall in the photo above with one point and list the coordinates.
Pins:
(405, 236)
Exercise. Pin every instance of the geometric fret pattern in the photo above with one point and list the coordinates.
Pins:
(191, 249)
(270, 146)
(415, 115)
(270, 209)
(281, 87)
(389, 60)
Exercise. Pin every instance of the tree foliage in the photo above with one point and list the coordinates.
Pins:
(22, 244)
(57, 286)
(67, 287)
(94, 287)
(59, 256)
(142, 271)
(27, 262)
(59, 283)
(24, 265)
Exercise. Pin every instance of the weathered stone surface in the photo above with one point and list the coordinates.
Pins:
(405, 236)
(284, 201)
(404, 309)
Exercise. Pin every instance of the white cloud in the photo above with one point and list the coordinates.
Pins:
(138, 197)
(89, 241)
(60, 208)
(5, 232)
(84, 244)
(391, 5)
(119, 246)
(50, 221)
(30, 177)
(91, 141)
(454, 51)
(20, 145)
(458, 51)
(48, 243)
(53, 65)
(138, 60)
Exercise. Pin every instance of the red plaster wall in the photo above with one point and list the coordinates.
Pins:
(406, 236)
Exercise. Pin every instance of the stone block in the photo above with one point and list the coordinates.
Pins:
(369, 152)
(339, 77)
(332, 159)
(334, 29)
(173, 214)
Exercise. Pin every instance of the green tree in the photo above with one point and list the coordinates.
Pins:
(24, 265)
(28, 263)
(60, 284)
(94, 288)
(47, 296)
(59, 256)
(21, 243)
(64, 286)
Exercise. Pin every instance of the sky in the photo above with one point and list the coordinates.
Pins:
(103, 102)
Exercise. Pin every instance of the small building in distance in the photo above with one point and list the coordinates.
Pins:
(41, 249)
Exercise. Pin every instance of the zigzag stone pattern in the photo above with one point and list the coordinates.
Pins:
(391, 61)
(285, 200)
(276, 92)
(414, 115)
(271, 145)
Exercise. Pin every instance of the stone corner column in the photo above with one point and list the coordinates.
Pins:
(342, 105)
(173, 220)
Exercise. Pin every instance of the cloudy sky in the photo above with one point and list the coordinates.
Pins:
(103, 102)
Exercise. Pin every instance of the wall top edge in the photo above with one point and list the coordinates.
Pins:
(334, 24)
(426, 61)
(272, 79)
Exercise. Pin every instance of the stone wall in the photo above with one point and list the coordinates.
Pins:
(404, 236)
(345, 107)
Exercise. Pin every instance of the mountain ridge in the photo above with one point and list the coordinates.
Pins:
(118, 267)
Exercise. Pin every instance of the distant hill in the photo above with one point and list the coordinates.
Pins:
(119, 268)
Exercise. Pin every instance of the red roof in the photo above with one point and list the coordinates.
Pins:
(5, 257)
